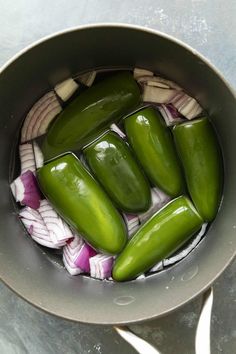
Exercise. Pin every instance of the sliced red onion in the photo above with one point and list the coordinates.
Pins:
(158, 94)
(69, 253)
(69, 265)
(170, 114)
(157, 81)
(48, 96)
(45, 118)
(32, 215)
(173, 111)
(27, 158)
(141, 276)
(132, 223)
(40, 116)
(36, 227)
(159, 199)
(117, 130)
(45, 225)
(32, 219)
(59, 231)
(66, 88)
(88, 78)
(138, 72)
(83, 257)
(77, 254)
(101, 266)
(183, 253)
(157, 267)
(42, 241)
(162, 91)
(186, 105)
(25, 190)
(38, 155)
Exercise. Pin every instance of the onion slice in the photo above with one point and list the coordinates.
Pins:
(157, 267)
(45, 226)
(159, 199)
(59, 231)
(159, 90)
(48, 97)
(186, 105)
(36, 227)
(159, 94)
(70, 265)
(88, 78)
(27, 158)
(38, 155)
(76, 255)
(101, 266)
(66, 89)
(170, 114)
(157, 81)
(141, 276)
(40, 116)
(138, 73)
(25, 190)
(117, 130)
(132, 223)
(31, 214)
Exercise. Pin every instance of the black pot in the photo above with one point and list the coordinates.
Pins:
(23, 265)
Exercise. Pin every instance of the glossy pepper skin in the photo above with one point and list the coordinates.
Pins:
(201, 157)
(92, 110)
(80, 200)
(153, 144)
(114, 166)
(158, 238)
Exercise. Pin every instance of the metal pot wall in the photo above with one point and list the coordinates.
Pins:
(23, 265)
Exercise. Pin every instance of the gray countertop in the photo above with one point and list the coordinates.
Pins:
(210, 27)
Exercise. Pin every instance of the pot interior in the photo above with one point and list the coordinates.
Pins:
(37, 275)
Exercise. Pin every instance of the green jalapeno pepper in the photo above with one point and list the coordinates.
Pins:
(201, 157)
(158, 238)
(91, 111)
(114, 166)
(79, 199)
(152, 142)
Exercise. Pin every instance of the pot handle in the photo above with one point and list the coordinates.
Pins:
(203, 332)
(141, 346)
(202, 338)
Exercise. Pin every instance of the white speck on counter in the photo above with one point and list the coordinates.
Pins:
(98, 348)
